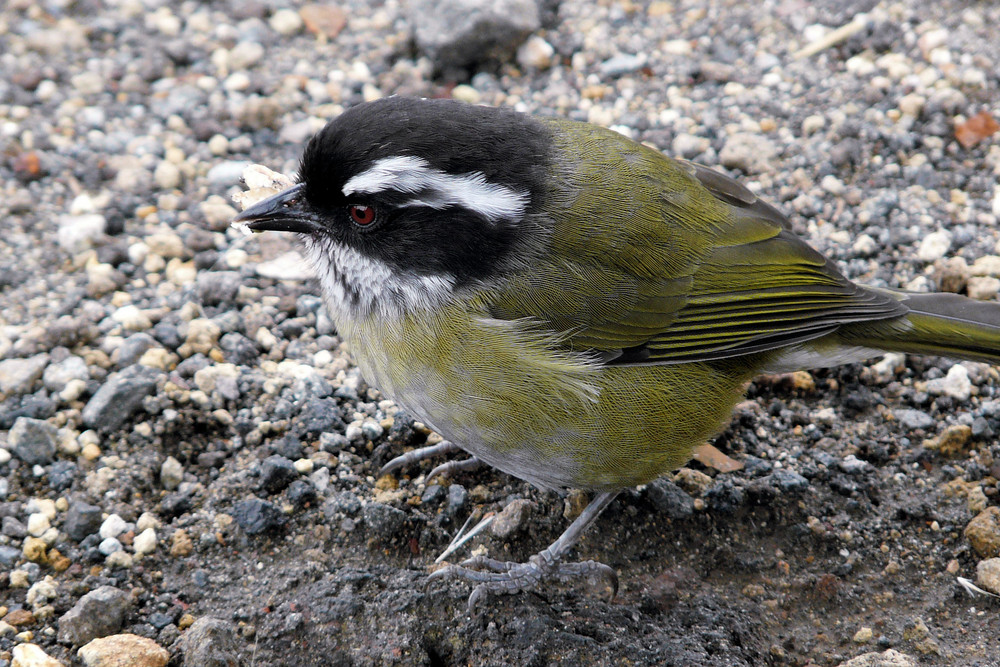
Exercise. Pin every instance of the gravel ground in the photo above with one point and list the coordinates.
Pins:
(187, 454)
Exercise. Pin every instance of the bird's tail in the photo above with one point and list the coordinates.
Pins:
(941, 324)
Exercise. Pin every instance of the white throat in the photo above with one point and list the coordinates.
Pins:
(356, 286)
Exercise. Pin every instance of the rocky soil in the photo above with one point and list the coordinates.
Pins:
(188, 455)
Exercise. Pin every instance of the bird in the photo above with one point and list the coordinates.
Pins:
(567, 305)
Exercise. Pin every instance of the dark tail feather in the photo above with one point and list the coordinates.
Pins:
(941, 324)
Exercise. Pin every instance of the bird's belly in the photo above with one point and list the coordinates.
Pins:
(545, 416)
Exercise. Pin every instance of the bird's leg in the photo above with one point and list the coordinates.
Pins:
(440, 449)
(494, 576)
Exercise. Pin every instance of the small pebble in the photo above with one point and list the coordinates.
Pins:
(108, 651)
(988, 574)
(983, 532)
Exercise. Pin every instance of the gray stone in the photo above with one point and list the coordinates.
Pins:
(622, 64)
(914, 419)
(99, 613)
(57, 376)
(33, 440)
(18, 376)
(460, 33)
(669, 499)
(341, 503)
(218, 287)
(227, 173)
(81, 520)
(210, 642)
(119, 397)
(747, 152)
(9, 555)
(384, 521)
(511, 518)
(11, 527)
(256, 516)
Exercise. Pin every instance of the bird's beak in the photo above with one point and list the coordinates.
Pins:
(282, 212)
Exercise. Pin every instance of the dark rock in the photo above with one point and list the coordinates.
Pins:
(333, 443)
(11, 527)
(669, 499)
(168, 335)
(319, 415)
(433, 494)
(175, 505)
(402, 432)
(9, 555)
(256, 516)
(725, 496)
(238, 349)
(342, 502)
(788, 481)
(212, 459)
(384, 522)
(218, 287)
(61, 475)
(33, 440)
(301, 493)
(276, 473)
(159, 620)
(457, 496)
(456, 34)
(192, 365)
(119, 397)
(99, 613)
(33, 406)
(81, 520)
(289, 446)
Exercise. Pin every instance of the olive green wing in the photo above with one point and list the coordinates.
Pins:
(692, 266)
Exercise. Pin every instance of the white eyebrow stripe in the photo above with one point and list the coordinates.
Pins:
(439, 189)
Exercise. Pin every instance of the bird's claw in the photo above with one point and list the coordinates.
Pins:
(449, 468)
(417, 455)
(506, 577)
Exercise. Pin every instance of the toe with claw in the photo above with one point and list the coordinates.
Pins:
(496, 576)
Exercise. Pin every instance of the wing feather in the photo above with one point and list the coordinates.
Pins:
(698, 267)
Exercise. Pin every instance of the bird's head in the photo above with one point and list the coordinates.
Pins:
(403, 202)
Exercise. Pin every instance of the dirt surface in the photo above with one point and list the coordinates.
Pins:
(196, 389)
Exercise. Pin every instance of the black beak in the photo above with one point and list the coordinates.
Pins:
(282, 212)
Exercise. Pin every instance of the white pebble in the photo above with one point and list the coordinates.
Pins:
(147, 520)
(218, 145)
(286, 22)
(145, 542)
(171, 473)
(832, 184)
(955, 384)
(80, 232)
(167, 176)
(132, 318)
(109, 545)
(113, 526)
(38, 523)
(865, 245)
(535, 53)
(934, 246)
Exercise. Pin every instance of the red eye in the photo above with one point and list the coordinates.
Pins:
(362, 215)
